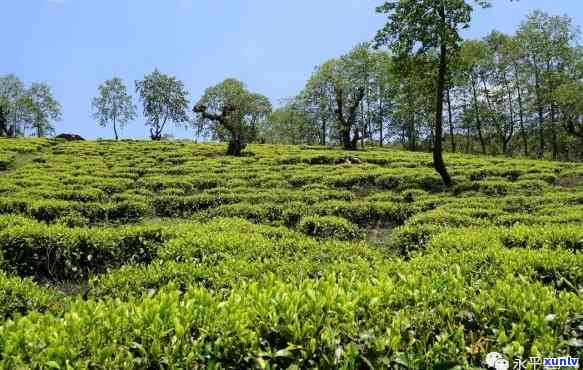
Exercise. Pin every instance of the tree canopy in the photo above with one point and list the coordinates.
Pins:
(164, 100)
(230, 112)
(506, 93)
(428, 25)
(113, 104)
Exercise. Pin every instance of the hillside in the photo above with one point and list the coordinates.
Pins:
(141, 254)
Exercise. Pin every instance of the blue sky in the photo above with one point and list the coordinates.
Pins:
(272, 45)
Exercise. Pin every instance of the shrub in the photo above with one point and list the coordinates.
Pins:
(57, 252)
(259, 213)
(494, 264)
(328, 227)
(73, 219)
(6, 160)
(568, 237)
(352, 180)
(160, 183)
(447, 217)
(531, 186)
(283, 324)
(494, 188)
(48, 210)
(411, 238)
(127, 211)
(293, 213)
(20, 296)
(405, 180)
(86, 195)
(111, 186)
(175, 206)
(365, 213)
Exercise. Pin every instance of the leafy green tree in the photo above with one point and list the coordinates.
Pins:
(317, 102)
(569, 96)
(259, 110)
(291, 124)
(498, 90)
(428, 25)
(43, 107)
(350, 77)
(414, 99)
(113, 104)
(514, 56)
(506, 82)
(384, 92)
(341, 92)
(4, 109)
(23, 109)
(230, 112)
(164, 99)
(547, 41)
(12, 92)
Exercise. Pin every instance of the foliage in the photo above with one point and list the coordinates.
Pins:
(504, 94)
(569, 96)
(113, 104)
(43, 108)
(289, 125)
(24, 109)
(428, 25)
(229, 112)
(342, 94)
(149, 254)
(165, 99)
(18, 297)
(328, 227)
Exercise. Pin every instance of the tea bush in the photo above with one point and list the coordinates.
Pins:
(327, 227)
(333, 322)
(59, 253)
(18, 297)
(169, 254)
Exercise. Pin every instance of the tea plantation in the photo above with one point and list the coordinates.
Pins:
(148, 255)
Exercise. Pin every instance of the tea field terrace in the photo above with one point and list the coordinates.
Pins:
(140, 254)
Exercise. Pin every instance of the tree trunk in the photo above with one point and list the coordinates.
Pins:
(353, 143)
(541, 117)
(508, 134)
(410, 124)
(572, 128)
(3, 122)
(555, 143)
(468, 140)
(363, 126)
(155, 135)
(541, 133)
(323, 140)
(450, 115)
(521, 115)
(492, 111)
(554, 131)
(115, 129)
(236, 146)
(381, 123)
(438, 162)
(478, 118)
(411, 133)
(348, 123)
